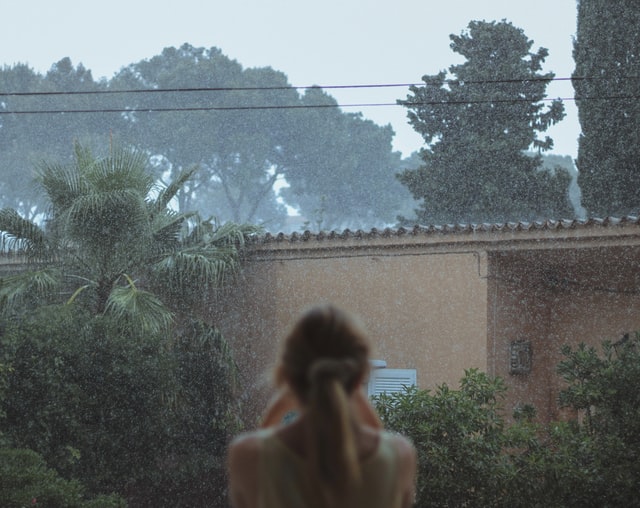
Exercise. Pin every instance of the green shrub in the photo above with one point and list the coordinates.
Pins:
(25, 480)
(604, 389)
(468, 456)
(140, 415)
(459, 438)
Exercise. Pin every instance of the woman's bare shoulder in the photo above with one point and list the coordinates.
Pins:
(402, 444)
(244, 451)
(406, 453)
(247, 444)
(407, 458)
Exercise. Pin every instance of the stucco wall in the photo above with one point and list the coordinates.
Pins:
(441, 304)
(570, 299)
(423, 310)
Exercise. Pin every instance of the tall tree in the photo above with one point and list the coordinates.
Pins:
(254, 129)
(235, 130)
(112, 242)
(478, 123)
(36, 125)
(343, 174)
(607, 56)
(132, 377)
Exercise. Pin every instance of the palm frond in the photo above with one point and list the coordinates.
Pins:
(231, 233)
(210, 233)
(124, 169)
(198, 231)
(200, 269)
(62, 184)
(139, 308)
(110, 214)
(83, 155)
(167, 229)
(165, 195)
(27, 286)
(78, 291)
(20, 235)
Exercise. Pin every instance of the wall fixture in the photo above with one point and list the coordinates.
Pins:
(520, 357)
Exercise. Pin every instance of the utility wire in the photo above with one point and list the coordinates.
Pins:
(307, 87)
(303, 106)
(205, 89)
(407, 103)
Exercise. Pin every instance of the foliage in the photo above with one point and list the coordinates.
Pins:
(469, 456)
(238, 150)
(605, 389)
(343, 174)
(459, 438)
(25, 480)
(204, 417)
(108, 374)
(477, 126)
(133, 413)
(605, 79)
(108, 226)
(27, 139)
(566, 164)
(256, 130)
(547, 468)
(245, 129)
(86, 395)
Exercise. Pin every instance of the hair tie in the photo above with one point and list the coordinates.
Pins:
(325, 369)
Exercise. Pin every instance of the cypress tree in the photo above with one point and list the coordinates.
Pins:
(607, 85)
(478, 121)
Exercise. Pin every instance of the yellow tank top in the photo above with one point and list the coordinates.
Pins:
(284, 483)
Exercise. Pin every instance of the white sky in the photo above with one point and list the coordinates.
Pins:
(334, 42)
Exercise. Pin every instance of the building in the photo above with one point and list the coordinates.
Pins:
(439, 300)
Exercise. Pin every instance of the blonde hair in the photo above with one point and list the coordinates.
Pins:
(324, 359)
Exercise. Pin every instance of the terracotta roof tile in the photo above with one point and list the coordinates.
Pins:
(450, 229)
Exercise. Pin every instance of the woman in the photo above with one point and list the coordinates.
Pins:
(334, 453)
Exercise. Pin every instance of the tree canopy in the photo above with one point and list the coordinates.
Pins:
(247, 130)
(108, 369)
(26, 138)
(109, 226)
(477, 122)
(607, 57)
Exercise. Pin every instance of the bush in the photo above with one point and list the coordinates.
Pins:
(140, 415)
(467, 456)
(459, 438)
(25, 480)
(604, 389)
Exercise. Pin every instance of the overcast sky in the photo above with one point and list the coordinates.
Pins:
(334, 42)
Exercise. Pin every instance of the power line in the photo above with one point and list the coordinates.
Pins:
(303, 106)
(306, 87)
(205, 89)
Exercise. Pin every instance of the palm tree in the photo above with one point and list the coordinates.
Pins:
(111, 241)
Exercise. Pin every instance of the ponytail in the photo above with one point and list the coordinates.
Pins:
(333, 455)
(324, 358)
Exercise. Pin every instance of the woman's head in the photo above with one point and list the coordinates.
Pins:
(324, 359)
(325, 343)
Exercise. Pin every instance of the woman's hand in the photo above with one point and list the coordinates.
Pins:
(364, 410)
(281, 403)
(284, 402)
